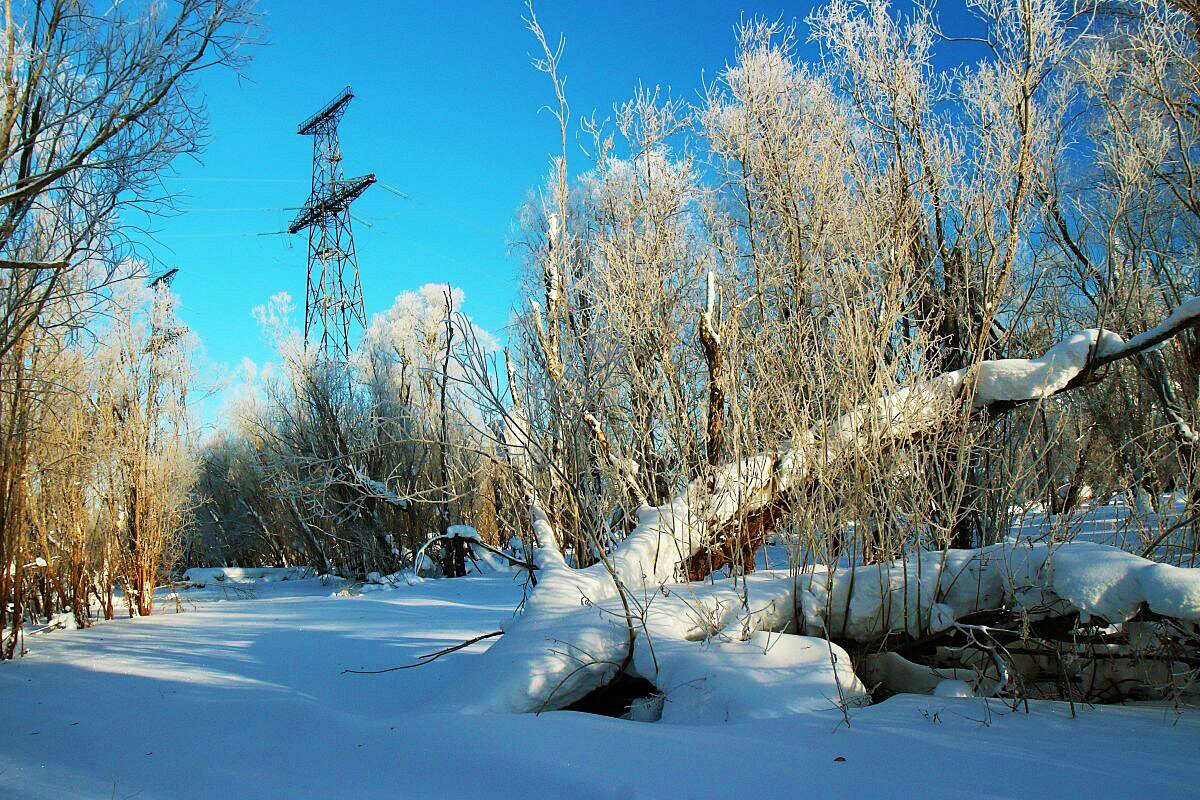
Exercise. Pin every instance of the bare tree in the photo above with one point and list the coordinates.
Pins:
(96, 104)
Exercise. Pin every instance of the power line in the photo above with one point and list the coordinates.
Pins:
(222, 210)
(218, 234)
(206, 179)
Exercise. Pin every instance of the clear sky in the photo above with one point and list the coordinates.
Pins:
(446, 112)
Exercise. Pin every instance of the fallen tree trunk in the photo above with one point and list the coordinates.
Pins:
(581, 628)
(990, 389)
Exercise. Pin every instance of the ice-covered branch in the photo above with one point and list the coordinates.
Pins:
(377, 489)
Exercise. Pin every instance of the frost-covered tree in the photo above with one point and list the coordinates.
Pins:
(353, 467)
(97, 101)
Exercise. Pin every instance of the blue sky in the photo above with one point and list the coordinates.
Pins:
(446, 111)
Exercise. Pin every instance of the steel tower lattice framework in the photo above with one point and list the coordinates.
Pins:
(333, 296)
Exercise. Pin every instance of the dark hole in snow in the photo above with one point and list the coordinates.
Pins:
(878, 693)
(615, 697)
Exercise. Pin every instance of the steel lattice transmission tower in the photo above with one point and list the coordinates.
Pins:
(333, 297)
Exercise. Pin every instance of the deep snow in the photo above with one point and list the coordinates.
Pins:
(242, 695)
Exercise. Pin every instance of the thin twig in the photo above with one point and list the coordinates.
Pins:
(428, 658)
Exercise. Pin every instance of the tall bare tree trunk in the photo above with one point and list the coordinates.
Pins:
(454, 562)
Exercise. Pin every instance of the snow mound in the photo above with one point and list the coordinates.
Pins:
(953, 689)
(765, 676)
(546, 661)
(714, 660)
(555, 654)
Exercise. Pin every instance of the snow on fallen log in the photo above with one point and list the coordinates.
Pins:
(555, 654)
(547, 659)
(897, 674)
(716, 662)
(1024, 379)
(574, 636)
(929, 591)
(1185, 315)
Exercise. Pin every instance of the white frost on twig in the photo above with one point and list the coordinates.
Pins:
(378, 489)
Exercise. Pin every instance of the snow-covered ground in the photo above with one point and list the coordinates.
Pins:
(242, 694)
(1129, 526)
